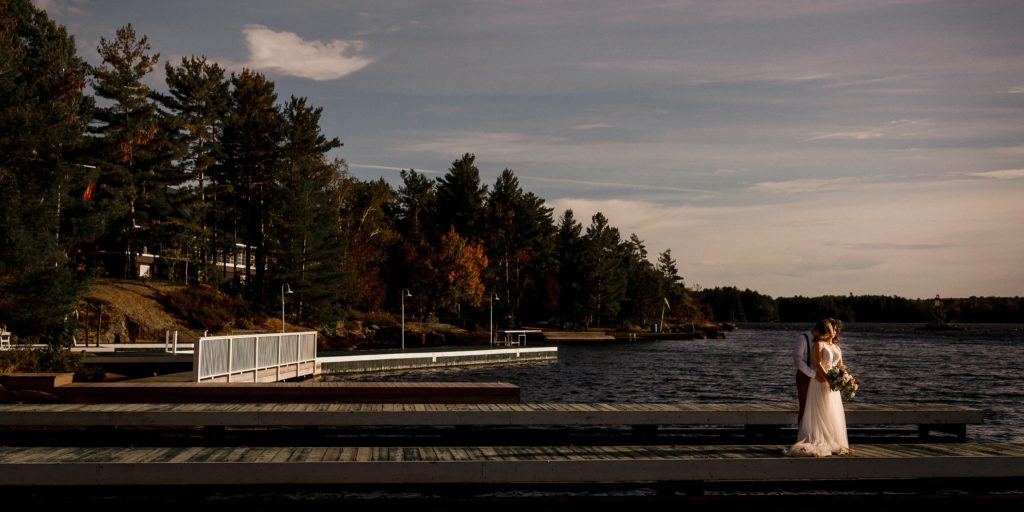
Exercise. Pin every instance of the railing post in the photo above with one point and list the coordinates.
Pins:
(256, 359)
(231, 352)
(197, 358)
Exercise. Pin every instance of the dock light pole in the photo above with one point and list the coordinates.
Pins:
(284, 289)
(494, 297)
(405, 293)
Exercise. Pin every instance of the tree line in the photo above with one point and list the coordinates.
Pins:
(232, 188)
(735, 305)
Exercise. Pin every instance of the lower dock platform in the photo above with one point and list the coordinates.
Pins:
(417, 465)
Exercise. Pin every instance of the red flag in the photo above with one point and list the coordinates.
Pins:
(88, 191)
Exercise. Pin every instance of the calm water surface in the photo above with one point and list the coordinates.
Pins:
(979, 367)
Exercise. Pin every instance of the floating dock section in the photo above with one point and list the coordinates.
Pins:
(392, 360)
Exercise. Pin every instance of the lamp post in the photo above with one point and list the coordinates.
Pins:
(405, 293)
(494, 297)
(284, 289)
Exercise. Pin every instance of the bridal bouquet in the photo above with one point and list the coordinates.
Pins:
(840, 379)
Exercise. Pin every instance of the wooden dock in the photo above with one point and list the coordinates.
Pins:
(120, 447)
(178, 388)
(361, 465)
(759, 418)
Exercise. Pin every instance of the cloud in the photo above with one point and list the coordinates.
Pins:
(862, 135)
(591, 126)
(693, 70)
(58, 7)
(615, 185)
(801, 186)
(1017, 90)
(892, 129)
(501, 146)
(1004, 174)
(287, 53)
(390, 168)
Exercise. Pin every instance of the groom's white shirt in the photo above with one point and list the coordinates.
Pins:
(800, 354)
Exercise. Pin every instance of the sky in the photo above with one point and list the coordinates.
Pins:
(797, 147)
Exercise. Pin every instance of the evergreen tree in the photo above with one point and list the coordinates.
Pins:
(681, 306)
(43, 114)
(539, 296)
(571, 276)
(460, 200)
(198, 96)
(603, 266)
(644, 287)
(252, 145)
(411, 263)
(518, 239)
(304, 226)
(134, 160)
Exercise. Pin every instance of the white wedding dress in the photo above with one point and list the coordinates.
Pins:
(823, 429)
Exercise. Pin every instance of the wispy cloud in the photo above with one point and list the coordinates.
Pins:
(892, 129)
(691, 69)
(591, 126)
(615, 185)
(861, 135)
(800, 186)
(390, 168)
(899, 247)
(499, 146)
(1017, 90)
(1003, 174)
(287, 53)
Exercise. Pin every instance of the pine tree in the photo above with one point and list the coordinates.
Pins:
(252, 144)
(604, 268)
(134, 164)
(43, 114)
(460, 200)
(305, 227)
(518, 238)
(571, 277)
(410, 264)
(643, 283)
(197, 99)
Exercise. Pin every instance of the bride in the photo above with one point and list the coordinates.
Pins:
(823, 427)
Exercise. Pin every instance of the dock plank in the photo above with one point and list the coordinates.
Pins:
(34, 466)
(388, 414)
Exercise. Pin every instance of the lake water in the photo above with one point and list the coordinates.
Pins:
(979, 367)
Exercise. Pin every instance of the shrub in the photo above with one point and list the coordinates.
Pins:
(202, 307)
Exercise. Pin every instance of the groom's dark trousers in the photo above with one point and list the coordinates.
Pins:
(802, 383)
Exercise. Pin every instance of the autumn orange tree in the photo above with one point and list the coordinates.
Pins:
(460, 266)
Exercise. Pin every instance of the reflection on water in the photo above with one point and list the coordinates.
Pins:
(978, 367)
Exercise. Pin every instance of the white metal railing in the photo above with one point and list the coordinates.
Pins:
(267, 357)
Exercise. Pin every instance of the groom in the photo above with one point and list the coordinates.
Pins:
(802, 359)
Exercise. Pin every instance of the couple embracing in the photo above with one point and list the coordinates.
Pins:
(822, 419)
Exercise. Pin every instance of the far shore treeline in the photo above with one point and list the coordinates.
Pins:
(99, 172)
